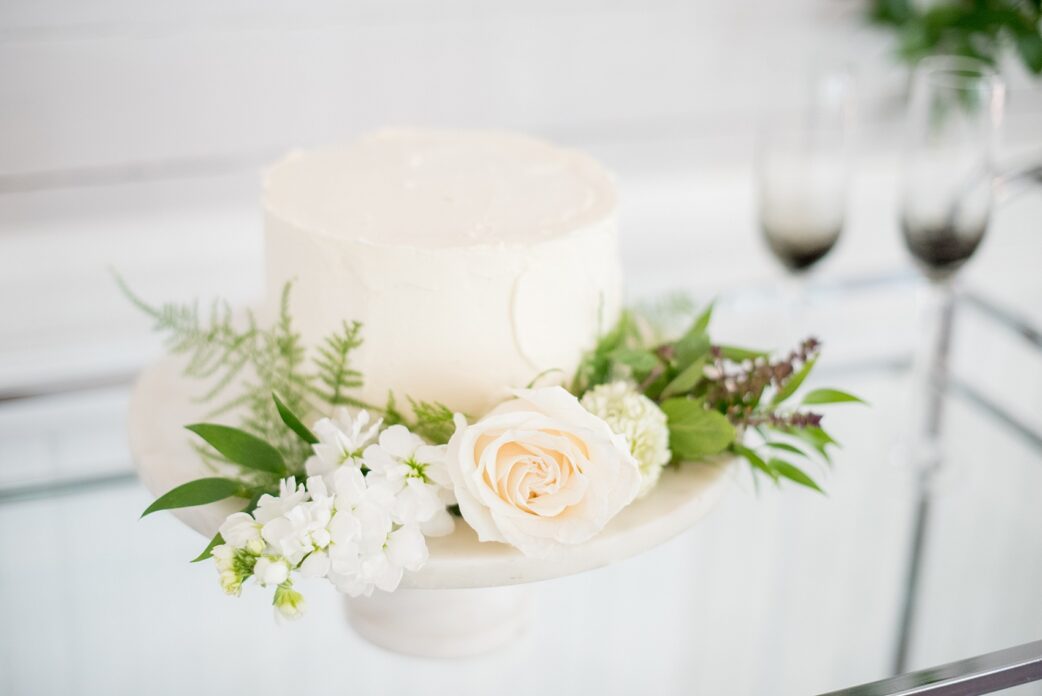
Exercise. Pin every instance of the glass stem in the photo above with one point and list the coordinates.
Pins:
(797, 305)
(931, 371)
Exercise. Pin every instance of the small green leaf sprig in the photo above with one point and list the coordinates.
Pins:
(714, 395)
(982, 29)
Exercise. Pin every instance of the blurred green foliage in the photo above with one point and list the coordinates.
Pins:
(981, 29)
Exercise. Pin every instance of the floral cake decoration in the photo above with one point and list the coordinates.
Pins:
(352, 494)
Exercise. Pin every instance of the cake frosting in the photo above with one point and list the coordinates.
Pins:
(475, 260)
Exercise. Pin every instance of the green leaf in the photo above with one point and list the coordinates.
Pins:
(785, 447)
(702, 321)
(816, 438)
(292, 422)
(640, 361)
(686, 380)
(793, 473)
(793, 382)
(694, 432)
(198, 492)
(830, 396)
(737, 354)
(595, 366)
(691, 346)
(208, 551)
(240, 447)
(1029, 44)
(755, 460)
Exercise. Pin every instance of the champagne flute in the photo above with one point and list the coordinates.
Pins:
(954, 115)
(953, 121)
(801, 174)
(802, 169)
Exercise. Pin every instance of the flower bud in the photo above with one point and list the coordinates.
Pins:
(231, 582)
(289, 603)
(271, 571)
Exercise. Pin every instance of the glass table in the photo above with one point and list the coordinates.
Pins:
(775, 592)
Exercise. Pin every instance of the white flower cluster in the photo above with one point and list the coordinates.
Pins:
(360, 520)
(635, 416)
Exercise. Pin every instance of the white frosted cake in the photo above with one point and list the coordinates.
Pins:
(475, 260)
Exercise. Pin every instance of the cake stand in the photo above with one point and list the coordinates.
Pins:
(470, 597)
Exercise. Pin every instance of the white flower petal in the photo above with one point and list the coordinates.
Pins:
(461, 465)
(239, 529)
(379, 459)
(399, 442)
(269, 571)
(349, 484)
(378, 570)
(316, 565)
(344, 527)
(441, 524)
(407, 548)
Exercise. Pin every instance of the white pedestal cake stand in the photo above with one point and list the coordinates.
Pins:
(470, 596)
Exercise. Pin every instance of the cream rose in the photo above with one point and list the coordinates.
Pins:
(540, 471)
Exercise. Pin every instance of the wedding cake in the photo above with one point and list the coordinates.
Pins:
(475, 260)
(450, 268)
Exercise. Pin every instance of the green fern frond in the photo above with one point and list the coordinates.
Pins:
(433, 421)
(392, 416)
(235, 353)
(333, 370)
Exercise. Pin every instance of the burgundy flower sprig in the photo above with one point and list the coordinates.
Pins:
(738, 391)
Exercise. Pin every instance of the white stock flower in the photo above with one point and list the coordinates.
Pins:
(640, 420)
(290, 495)
(271, 570)
(362, 511)
(299, 532)
(341, 440)
(316, 565)
(360, 525)
(416, 473)
(240, 530)
(540, 471)
(360, 532)
(303, 528)
(369, 549)
(357, 568)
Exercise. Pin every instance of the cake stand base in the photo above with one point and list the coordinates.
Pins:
(442, 623)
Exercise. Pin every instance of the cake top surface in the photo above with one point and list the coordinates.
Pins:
(441, 188)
